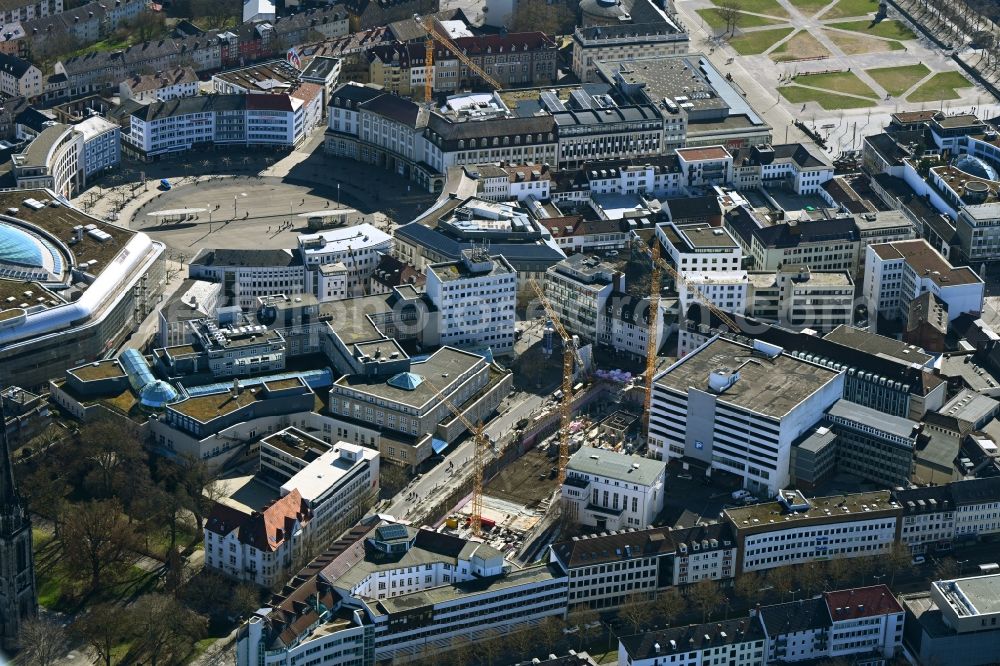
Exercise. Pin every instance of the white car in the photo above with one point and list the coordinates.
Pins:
(919, 559)
(741, 494)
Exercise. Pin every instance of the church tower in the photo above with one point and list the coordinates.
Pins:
(18, 596)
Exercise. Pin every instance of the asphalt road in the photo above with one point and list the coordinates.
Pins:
(456, 467)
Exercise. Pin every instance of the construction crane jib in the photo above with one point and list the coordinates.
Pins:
(435, 34)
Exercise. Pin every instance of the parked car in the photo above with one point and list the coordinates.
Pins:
(918, 560)
(685, 476)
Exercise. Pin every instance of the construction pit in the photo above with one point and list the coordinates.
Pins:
(516, 516)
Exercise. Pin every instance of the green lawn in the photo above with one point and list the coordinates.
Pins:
(847, 8)
(940, 87)
(897, 80)
(769, 7)
(888, 29)
(716, 22)
(809, 7)
(845, 82)
(829, 101)
(753, 43)
(801, 46)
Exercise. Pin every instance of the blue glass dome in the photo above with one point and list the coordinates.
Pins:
(408, 381)
(21, 248)
(975, 167)
(157, 394)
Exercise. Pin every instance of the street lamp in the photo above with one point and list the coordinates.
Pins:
(338, 195)
(794, 592)
(961, 566)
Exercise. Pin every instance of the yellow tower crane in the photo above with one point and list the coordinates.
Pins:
(570, 354)
(429, 25)
(654, 304)
(480, 445)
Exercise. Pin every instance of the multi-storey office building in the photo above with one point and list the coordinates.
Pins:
(897, 273)
(795, 297)
(623, 31)
(339, 482)
(53, 160)
(738, 408)
(700, 248)
(378, 575)
(251, 120)
(474, 298)
(798, 167)
(609, 490)
(578, 289)
(928, 520)
(699, 106)
(101, 145)
(458, 224)
(863, 624)
(956, 624)
(329, 265)
(257, 546)
(874, 445)
(738, 642)
(796, 530)
(822, 245)
(879, 372)
(604, 570)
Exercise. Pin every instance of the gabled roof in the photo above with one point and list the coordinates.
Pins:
(16, 67)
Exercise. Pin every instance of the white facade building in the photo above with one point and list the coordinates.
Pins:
(610, 490)
(896, 273)
(256, 546)
(101, 145)
(809, 530)
(475, 299)
(338, 483)
(54, 160)
(356, 248)
(19, 78)
(738, 408)
(382, 572)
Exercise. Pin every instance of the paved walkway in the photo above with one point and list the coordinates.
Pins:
(761, 76)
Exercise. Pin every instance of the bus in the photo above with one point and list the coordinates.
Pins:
(990, 568)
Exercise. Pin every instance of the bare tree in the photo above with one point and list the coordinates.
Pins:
(552, 19)
(636, 611)
(729, 12)
(163, 628)
(705, 596)
(98, 540)
(668, 605)
(896, 559)
(748, 586)
(102, 628)
(810, 577)
(45, 641)
(587, 622)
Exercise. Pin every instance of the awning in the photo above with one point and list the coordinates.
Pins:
(438, 445)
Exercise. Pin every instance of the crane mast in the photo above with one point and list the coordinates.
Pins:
(479, 443)
(435, 35)
(570, 354)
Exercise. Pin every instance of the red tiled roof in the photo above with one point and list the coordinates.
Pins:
(512, 41)
(264, 530)
(307, 91)
(861, 602)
